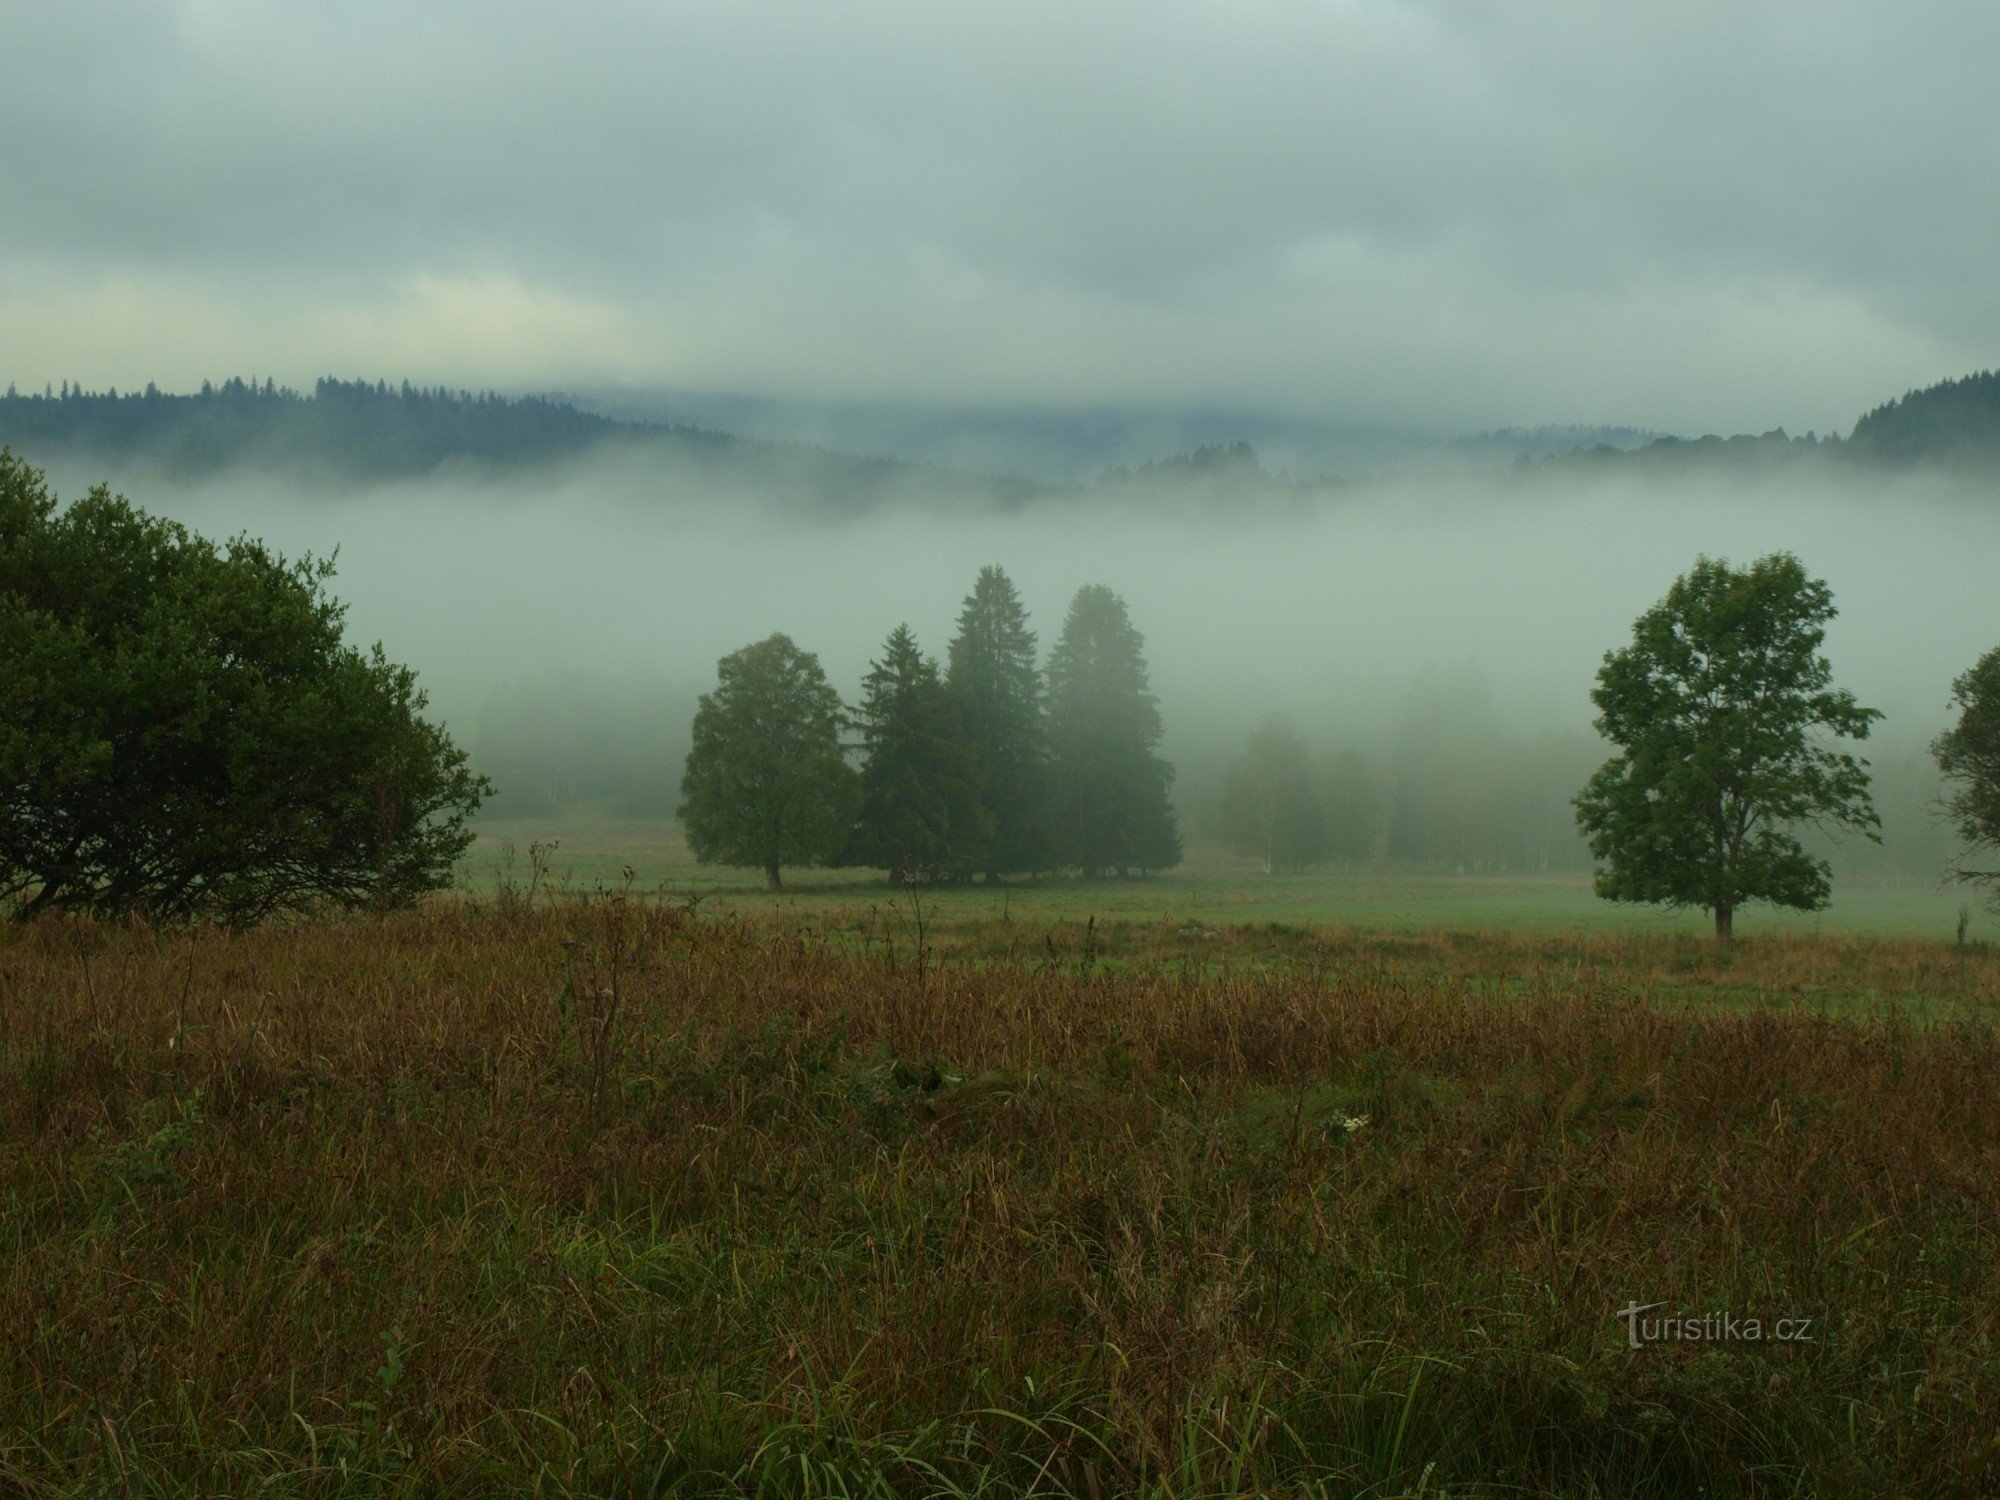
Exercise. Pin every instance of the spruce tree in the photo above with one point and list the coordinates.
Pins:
(920, 815)
(996, 696)
(1110, 808)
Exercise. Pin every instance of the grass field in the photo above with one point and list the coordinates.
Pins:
(1211, 886)
(611, 1196)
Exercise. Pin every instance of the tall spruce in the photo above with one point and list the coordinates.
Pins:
(1109, 789)
(996, 694)
(920, 814)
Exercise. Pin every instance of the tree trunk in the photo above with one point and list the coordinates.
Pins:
(771, 875)
(1725, 922)
(43, 899)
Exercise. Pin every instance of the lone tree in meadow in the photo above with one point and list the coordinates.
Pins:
(1968, 755)
(1270, 807)
(185, 734)
(920, 815)
(996, 694)
(1720, 710)
(1109, 789)
(766, 784)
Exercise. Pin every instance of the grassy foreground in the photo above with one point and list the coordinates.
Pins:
(608, 1198)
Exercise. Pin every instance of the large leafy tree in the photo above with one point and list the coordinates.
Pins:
(920, 813)
(1109, 789)
(1968, 754)
(766, 783)
(1270, 807)
(1721, 710)
(996, 693)
(184, 732)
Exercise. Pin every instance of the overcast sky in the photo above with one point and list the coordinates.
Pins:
(1690, 214)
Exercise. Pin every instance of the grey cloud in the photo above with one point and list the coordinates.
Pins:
(889, 198)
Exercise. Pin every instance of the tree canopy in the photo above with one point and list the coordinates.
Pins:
(1968, 755)
(183, 731)
(996, 694)
(920, 814)
(1719, 708)
(1109, 789)
(766, 782)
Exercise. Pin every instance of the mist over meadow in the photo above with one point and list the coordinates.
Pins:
(1437, 635)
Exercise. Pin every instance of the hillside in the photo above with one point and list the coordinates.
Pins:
(348, 431)
(354, 431)
(1954, 422)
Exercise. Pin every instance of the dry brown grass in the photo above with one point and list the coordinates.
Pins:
(606, 1199)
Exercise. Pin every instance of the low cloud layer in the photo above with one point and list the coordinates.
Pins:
(1697, 216)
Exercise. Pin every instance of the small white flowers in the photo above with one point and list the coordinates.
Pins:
(1352, 1123)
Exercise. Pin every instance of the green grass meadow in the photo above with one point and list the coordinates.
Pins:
(588, 851)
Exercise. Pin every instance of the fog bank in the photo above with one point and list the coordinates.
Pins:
(615, 593)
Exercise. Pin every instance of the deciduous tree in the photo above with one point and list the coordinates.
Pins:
(184, 732)
(1968, 755)
(1719, 710)
(766, 783)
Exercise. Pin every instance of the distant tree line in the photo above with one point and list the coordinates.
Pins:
(358, 429)
(551, 740)
(1452, 790)
(988, 765)
(362, 430)
(350, 427)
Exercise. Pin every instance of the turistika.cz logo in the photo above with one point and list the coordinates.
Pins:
(1719, 1327)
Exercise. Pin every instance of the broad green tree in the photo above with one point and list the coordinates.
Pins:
(1110, 807)
(920, 815)
(1270, 807)
(767, 784)
(185, 733)
(996, 693)
(1721, 710)
(1968, 756)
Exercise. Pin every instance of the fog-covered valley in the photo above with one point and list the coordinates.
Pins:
(1436, 637)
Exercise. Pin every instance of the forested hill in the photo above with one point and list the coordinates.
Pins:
(352, 430)
(1954, 424)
